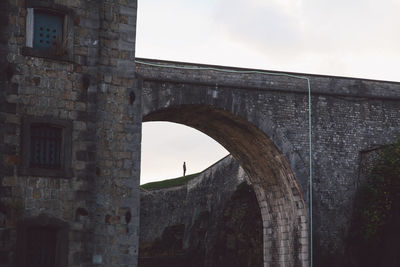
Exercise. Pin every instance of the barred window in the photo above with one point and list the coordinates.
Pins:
(48, 30)
(45, 146)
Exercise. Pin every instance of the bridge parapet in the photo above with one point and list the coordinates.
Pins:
(264, 80)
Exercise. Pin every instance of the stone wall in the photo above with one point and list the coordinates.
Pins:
(6, 235)
(181, 205)
(240, 232)
(87, 87)
(189, 225)
(118, 137)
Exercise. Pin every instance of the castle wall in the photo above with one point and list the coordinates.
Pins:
(83, 87)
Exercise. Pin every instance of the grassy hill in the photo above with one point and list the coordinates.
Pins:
(169, 183)
(175, 181)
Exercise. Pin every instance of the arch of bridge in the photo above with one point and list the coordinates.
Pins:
(279, 195)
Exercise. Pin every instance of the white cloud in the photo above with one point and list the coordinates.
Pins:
(343, 32)
(257, 23)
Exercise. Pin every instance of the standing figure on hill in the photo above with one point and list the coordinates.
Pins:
(184, 168)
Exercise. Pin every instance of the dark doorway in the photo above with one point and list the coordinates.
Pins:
(42, 241)
(41, 246)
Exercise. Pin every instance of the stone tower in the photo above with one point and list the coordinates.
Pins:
(70, 126)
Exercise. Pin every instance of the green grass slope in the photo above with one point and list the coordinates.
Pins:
(169, 183)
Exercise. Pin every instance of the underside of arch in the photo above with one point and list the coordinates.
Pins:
(279, 195)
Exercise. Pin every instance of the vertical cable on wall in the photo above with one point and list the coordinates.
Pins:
(310, 164)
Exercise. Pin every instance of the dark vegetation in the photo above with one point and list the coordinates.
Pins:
(169, 183)
(374, 238)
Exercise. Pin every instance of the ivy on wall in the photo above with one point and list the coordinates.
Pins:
(380, 193)
(377, 210)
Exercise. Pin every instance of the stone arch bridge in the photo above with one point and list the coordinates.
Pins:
(262, 119)
(94, 97)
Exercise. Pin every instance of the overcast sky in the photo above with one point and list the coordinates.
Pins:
(355, 38)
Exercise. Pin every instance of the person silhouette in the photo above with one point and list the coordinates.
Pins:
(184, 168)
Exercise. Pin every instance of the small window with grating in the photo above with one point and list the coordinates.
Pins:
(47, 30)
(45, 147)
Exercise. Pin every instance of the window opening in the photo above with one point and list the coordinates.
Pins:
(45, 146)
(48, 30)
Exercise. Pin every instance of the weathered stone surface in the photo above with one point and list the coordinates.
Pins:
(239, 240)
(181, 205)
(65, 87)
(208, 222)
